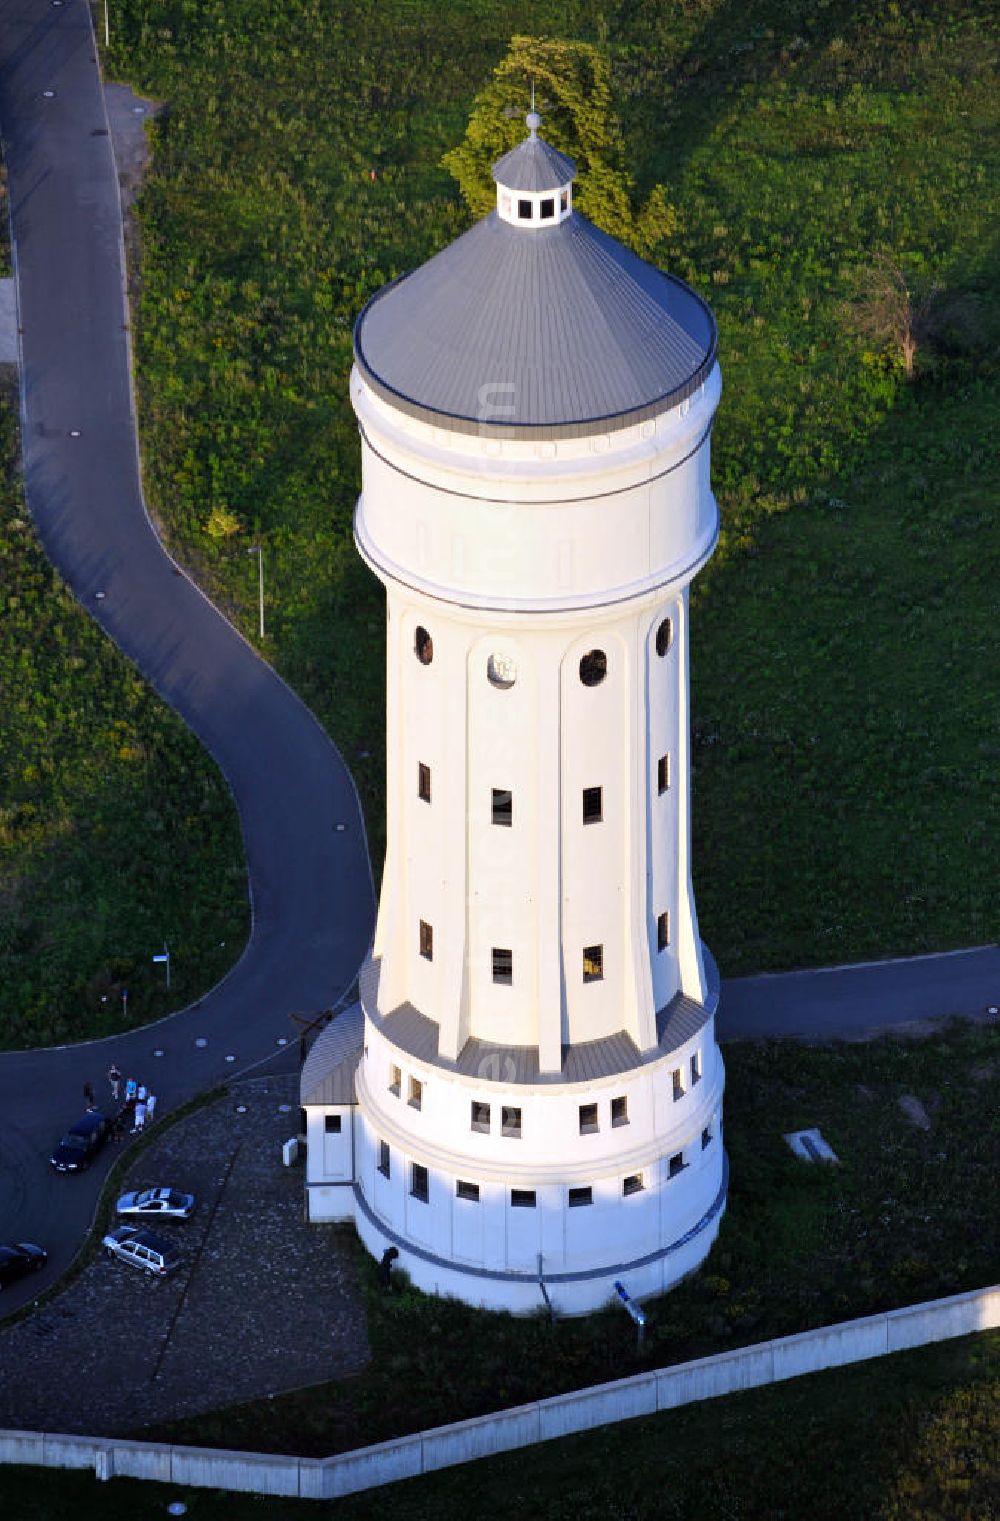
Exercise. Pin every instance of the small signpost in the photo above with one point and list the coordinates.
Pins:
(165, 958)
(124, 1003)
(636, 1311)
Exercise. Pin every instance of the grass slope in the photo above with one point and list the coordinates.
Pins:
(844, 689)
(116, 830)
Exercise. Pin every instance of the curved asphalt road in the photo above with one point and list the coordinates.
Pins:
(311, 881)
(310, 878)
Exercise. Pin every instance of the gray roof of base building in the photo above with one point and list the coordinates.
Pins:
(534, 165)
(328, 1071)
(547, 332)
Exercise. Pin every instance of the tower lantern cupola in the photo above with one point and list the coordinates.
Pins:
(534, 182)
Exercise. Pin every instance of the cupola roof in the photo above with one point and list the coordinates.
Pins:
(560, 330)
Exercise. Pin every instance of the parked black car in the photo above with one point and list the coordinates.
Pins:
(19, 1258)
(80, 1145)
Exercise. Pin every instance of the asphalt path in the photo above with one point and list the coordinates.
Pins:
(307, 858)
(309, 873)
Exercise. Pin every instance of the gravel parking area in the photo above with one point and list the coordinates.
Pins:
(263, 1302)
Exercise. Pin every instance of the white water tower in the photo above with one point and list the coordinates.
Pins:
(531, 1089)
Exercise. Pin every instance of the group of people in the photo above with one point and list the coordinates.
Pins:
(138, 1104)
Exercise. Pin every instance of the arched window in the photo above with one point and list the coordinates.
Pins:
(664, 636)
(423, 645)
(593, 668)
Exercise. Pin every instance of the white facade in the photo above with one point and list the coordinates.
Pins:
(539, 1091)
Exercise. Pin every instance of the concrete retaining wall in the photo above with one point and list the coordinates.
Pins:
(444, 1446)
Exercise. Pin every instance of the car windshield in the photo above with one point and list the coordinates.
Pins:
(74, 1142)
(145, 1197)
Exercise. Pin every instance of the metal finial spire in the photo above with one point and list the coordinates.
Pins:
(533, 121)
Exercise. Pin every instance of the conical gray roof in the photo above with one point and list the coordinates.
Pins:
(534, 165)
(555, 331)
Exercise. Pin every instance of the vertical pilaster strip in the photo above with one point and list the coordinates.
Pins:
(689, 958)
(549, 994)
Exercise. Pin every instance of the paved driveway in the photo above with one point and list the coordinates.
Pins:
(263, 1302)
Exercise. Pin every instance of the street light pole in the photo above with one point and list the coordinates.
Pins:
(255, 549)
(107, 27)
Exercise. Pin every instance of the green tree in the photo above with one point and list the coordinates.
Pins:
(572, 82)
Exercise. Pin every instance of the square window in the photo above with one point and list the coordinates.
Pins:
(503, 965)
(619, 1112)
(331, 1124)
(632, 1184)
(510, 1121)
(662, 931)
(522, 1198)
(678, 1081)
(426, 940)
(593, 805)
(663, 773)
(548, 208)
(503, 807)
(588, 1119)
(383, 1158)
(676, 1164)
(395, 1081)
(593, 963)
(480, 1117)
(524, 210)
(706, 1138)
(468, 1191)
(696, 1068)
(580, 1196)
(424, 783)
(418, 1182)
(416, 1097)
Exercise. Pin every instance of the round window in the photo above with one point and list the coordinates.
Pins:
(593, 668)
(423, 646)
(664, 636)
(501, 670)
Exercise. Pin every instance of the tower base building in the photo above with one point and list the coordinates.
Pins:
(528, 1094)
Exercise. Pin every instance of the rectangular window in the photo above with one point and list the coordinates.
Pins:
(395, 1081)
(548, 208)
(468, 1191)
(593, 963)
(524, 210)
(706, 1138)
(678, 1081)
(424, 783)
(696, 1068)
(331, 1124)
(564, 200)
(593, 805)
(426, 940)
(522, 1198)
(632, 1184)
(619, 1112)
(580, 1196)
(662, 931)
(383, 1158)
(588, 1119)
(480, 1117)
(503, 807)
(416, 1097)
(503, 965)
(418, 1181)
(676, 1164)
(663, 773)
(510, 1121)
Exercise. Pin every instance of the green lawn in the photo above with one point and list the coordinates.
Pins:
(116, 830)
(846, 737)
(907, 1438)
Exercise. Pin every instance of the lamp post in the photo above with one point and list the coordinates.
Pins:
(255, 549)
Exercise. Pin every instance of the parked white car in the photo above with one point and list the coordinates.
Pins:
(143, 1250)
(156, 1201)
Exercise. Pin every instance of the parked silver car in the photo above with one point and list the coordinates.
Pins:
(156, 1201)
(143, 1250)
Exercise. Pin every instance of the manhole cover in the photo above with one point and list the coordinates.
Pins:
(48, 94)
(284, 1108)
(176, 1507)
(138, 110)
(158, 1051)
(282, 1040)
(341, 828)
(241, 1108)
(74, 432)
(200, 1042)
(230, 1058)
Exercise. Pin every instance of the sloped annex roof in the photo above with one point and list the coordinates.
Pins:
(328, 1071)
(535, 333)
(534, 165)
